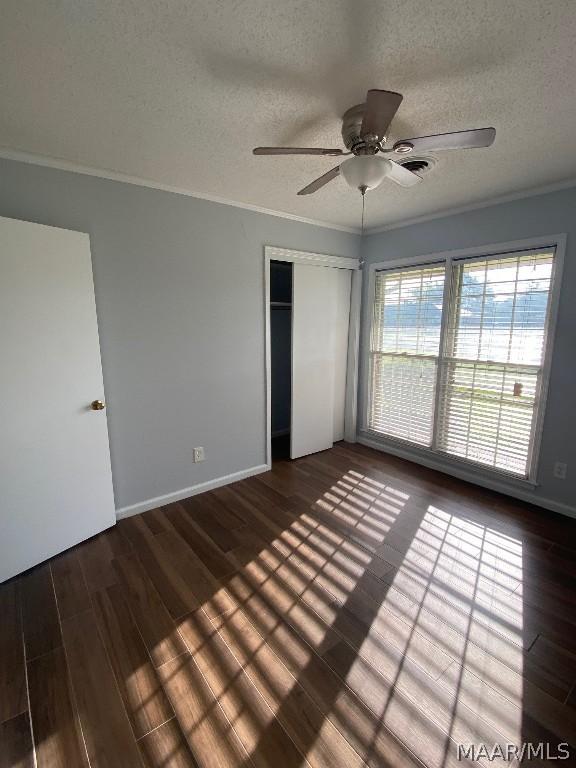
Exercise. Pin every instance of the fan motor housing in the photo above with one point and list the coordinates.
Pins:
(351, 126)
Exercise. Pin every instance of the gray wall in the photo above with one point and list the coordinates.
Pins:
(179, 294)
(531, 217)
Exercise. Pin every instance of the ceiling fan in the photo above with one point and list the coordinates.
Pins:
(364, 130)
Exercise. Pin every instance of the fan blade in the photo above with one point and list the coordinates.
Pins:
(381, 106)
(296, 151)
(315, 185)
(401, 175)
(475, 138)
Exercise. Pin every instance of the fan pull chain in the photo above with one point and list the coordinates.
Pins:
(363, 193)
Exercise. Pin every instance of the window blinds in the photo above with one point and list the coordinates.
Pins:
(404, 352)
(460, 371)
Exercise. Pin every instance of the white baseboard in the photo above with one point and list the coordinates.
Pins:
(192, 490)
(471, 477)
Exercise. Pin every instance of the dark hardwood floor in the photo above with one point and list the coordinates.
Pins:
(345, 609)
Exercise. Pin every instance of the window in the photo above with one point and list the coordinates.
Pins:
(405, 351)
(456, 353)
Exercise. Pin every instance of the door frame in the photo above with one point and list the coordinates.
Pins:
(275, 253)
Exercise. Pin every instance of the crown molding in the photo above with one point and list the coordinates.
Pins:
(510, 198)
(65, 165)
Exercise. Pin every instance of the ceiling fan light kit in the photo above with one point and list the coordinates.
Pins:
(364, 131)
(364, 172)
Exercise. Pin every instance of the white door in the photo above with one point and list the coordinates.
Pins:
(320, 315)
(55, 476)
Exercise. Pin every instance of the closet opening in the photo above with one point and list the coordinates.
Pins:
(281, 273)
(311, 326)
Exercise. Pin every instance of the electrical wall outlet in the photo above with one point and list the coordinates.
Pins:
(199, 454)
(560, 469)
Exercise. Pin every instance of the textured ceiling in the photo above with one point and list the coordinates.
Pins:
(179, 91)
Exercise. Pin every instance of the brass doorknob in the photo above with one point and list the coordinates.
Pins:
(97, 405)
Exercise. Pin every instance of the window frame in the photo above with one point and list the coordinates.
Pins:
(447, 258)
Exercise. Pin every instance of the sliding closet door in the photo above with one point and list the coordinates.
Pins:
(343, 280)
(320, 311)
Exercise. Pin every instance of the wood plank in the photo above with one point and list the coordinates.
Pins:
(228, 505)
(12, 673)
(212, 557)
(265, 498)
(212, 739)
(262, 736)
(315, 736)
(551, 666)
(312, 551)
(425, 488)
(385, 651)
(142, 527)
(501, 613)
(154, 520)
(166, 747)
(260, 523)
(142, 694)
(136, 530)
(551, 602)
(571, 699)
(332, 526)
(504, 676)
(275, 513)
(204, 589)
(57, 736)
(71, 593)
(402, 609)
(563, 556)
(96, 556)
(202, 514)
(16, 749)
(362, 728)
(393, 677)
(152, 619)
(228, 518)
(501, 664)
(172, 571)
(510, 714)
(359, 620)
(107, 733)
(39, 613)
(116, 541)
(458, 497)
(410, 697)
(276, 480)
(303, 531)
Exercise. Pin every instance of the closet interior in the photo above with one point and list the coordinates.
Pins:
(281, 356)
